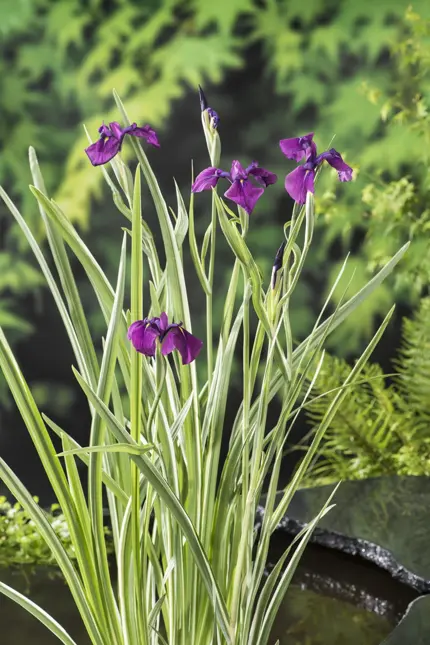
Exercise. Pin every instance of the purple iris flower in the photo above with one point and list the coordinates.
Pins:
(302, 179)
(242, 190)
(204, 106)
(111, 138)
(144, 333)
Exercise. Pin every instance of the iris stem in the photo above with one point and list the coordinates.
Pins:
(246, 391)
(161, 378)
(209, 297)
(247, 497)
(136, 405)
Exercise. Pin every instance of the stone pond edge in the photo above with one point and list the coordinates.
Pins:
(362, 548)
(354, 546)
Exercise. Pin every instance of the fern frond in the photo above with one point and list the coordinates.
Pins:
(413, 364)
(365, 433)
(381, 429)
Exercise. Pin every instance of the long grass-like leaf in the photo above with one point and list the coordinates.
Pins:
(169, 498)
(77, 350)
(102, 287)
(95, 490)
(83, 603)
(68, 283)
(109, 482)
(331, 411)
(263, 633)
(332, 322)
(40, 614)
(47, 453)
(116, 447)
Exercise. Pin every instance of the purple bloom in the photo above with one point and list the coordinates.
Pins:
(144, 333)
(242, 191)
(302, 179)
(111, 138)
(204, 106)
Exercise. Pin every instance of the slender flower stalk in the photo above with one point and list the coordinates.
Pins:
(136, 604)
(210, 121)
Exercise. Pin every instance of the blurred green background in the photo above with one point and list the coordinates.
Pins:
(356, 71)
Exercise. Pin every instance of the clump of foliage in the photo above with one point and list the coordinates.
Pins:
(394, 203)
(382, 429)
(20, 540)
(155, 453)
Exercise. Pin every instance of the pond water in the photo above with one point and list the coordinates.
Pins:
(308, 618)
(335, 599)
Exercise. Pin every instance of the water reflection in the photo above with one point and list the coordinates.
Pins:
(335, 600)
(338, 599)
(308, 618)
(52, 594)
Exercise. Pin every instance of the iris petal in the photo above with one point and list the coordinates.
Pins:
(187, 345)
(244, 194)
(335, 160)
(242, 191)
(111, 139)
(208, 178)
(298, 147)
(116, 130)
(103, 150)
(163, 322)
(144, 333)
(237, 171)
(298, 183)
(263, 176)
(105, 131)
(146, 132)
(143, 336)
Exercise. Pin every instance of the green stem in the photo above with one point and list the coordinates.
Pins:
(246, 394)
(247, 494)
(136, 407)
(209, 297)
(161, 379)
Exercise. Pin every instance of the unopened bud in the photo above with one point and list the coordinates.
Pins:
(278, 263)
(203, 101)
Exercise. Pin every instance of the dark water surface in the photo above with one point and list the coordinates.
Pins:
(385, 519)
(335, 600)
